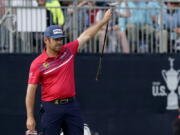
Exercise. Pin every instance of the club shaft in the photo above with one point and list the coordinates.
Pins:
(101, 55)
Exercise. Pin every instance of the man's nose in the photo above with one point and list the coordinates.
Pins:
(59, 41)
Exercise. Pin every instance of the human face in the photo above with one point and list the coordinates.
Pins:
(54, 44)
(41, 2)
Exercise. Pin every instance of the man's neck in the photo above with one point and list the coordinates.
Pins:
(51, 53)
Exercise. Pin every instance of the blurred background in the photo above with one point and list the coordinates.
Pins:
(138, 91)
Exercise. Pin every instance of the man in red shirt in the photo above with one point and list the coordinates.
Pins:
(54, 70)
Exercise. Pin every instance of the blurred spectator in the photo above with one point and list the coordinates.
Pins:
(153, 18)
(137, 25)
(3, 37)
(65, 3)
(55, 14)
(2, 9)
(79, 11)
(115, 36)
(92, 12)
(171, 23)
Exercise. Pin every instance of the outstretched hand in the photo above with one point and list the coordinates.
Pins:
(107, 15)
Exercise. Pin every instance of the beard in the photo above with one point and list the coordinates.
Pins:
(56, 48)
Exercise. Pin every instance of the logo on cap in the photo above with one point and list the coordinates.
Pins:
(57, 31)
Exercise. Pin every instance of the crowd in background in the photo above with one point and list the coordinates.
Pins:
(136, 26)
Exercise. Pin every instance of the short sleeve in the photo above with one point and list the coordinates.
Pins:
(34, 74)
(73, 46)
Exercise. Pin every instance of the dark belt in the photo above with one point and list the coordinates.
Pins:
(63, 101)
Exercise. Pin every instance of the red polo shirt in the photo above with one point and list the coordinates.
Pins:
(55, 74)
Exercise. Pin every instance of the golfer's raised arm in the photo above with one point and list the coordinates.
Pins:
(30, 99)
(91, 31)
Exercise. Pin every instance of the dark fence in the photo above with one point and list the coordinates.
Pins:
(131, 96)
